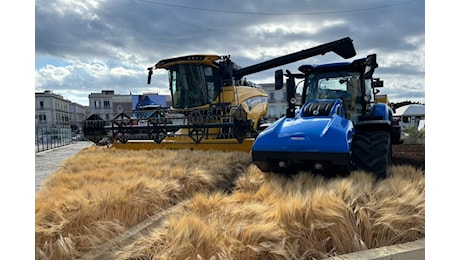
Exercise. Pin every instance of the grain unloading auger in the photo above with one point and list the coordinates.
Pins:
(213, 105)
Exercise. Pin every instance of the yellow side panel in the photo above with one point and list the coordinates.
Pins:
(248, 92)
(381, 99)
(227, 95)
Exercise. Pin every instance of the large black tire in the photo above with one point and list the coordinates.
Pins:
(372, 151)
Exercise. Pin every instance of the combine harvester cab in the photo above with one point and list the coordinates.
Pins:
(337, 126)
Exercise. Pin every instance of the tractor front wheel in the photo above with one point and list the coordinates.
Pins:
(371, 152)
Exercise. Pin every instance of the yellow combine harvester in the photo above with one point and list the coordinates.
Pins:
(213, 105)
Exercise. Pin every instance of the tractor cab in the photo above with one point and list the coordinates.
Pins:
(343, 85)
(352, 83)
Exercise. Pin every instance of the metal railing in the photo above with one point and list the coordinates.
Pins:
(50, 137)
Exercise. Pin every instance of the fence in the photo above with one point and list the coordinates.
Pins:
(50, 137)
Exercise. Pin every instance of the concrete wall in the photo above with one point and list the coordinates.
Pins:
(406, 251)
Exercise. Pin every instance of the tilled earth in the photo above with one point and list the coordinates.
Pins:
(412, 154)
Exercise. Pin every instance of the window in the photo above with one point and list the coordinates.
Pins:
(272, 97)
(106, 104)
(42, 118)
(193, 85)
(41, 105)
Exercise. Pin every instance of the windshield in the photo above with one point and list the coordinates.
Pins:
(330, 85)
(193, 85)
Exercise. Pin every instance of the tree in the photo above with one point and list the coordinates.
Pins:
(403, 103)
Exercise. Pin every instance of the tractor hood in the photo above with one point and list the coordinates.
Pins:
(331, 133)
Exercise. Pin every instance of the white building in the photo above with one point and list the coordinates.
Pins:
(51, 109)
(101, 104)
(411, 115)
(276, 101)
(78, 113)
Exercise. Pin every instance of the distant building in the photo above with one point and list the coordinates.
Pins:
(78, 113)
(102, 104)
(51, 110)
(108, 105)
(277, 103)
(410, 115)
(121, 104)
(53, 113)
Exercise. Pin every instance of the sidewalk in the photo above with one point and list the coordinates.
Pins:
(49, 161)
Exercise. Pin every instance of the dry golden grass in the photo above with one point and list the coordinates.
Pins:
(232, 210)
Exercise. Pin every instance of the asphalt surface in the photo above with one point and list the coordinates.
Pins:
(48, 162)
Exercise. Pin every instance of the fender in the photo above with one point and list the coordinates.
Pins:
(380, 118)
(382, 110)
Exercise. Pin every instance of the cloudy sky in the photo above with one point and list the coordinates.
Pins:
(86, 46)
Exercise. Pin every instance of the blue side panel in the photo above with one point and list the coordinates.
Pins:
(382, 110)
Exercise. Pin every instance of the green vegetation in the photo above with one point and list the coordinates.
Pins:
(414, 136)
(404, 103)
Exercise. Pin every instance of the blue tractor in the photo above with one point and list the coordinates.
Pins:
(336, 127)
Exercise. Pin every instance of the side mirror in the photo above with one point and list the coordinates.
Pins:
(371, 64)
(149, 78)
(377, 83)
(278, 79)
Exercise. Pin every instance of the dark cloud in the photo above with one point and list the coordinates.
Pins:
(129, 36)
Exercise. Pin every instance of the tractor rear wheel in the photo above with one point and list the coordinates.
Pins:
(371, 151)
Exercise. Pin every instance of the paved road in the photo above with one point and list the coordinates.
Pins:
(48, 162)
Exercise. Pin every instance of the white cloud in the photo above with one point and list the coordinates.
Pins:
(51, 73)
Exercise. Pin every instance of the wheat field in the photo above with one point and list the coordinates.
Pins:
(224, 208)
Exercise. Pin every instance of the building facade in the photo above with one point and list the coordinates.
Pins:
(276, 101)
(52, 120)
(51, 109)
(101, 104)
(78, 113)
(108, 105)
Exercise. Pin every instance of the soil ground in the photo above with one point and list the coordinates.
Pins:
(412, 154)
